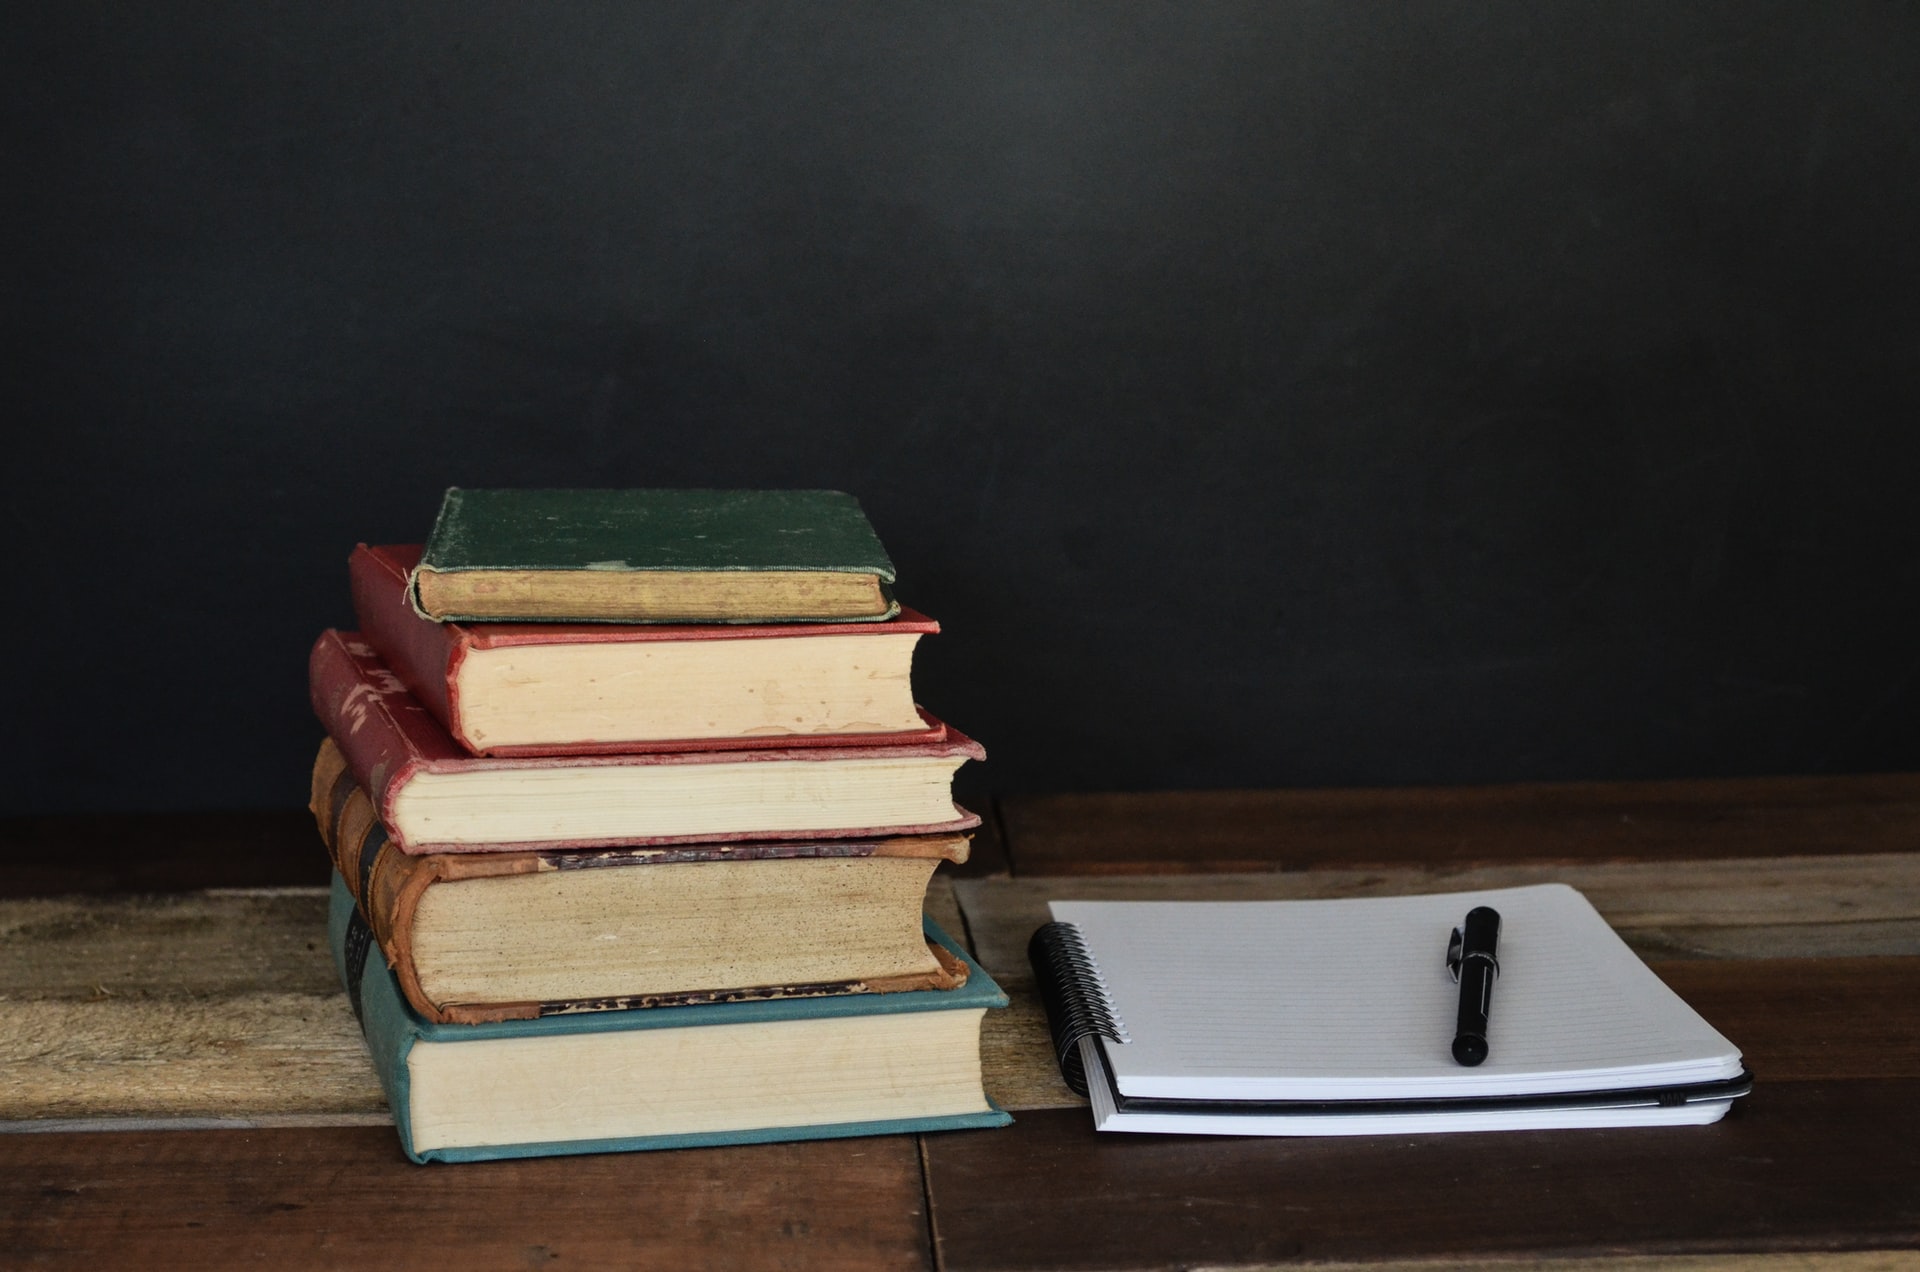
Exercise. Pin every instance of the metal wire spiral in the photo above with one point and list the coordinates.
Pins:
(1075, 995)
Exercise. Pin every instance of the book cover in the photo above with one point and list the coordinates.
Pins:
(428, 657)
(392, 1031)
(389, 740)
(388, 886)
(642, 555)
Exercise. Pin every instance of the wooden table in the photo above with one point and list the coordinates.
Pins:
(198, 1098)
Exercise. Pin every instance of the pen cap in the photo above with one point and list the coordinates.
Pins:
(1480, 934)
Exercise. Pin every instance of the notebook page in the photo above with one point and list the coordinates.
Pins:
(1351, 999)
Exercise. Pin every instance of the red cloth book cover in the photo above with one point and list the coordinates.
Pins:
(427, 656)
(390, 740)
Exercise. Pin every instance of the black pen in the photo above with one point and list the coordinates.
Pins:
(1471, 959)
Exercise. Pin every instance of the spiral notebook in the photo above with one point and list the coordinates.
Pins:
(1336, 1018)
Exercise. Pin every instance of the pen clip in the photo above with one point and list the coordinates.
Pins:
(1457, 951)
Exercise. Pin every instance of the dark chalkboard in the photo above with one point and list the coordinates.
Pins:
(1261, 394)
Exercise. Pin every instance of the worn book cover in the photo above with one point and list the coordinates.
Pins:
(432, 795)
(653, 556)
(637, 927)
(594, 688)
(729, 1073)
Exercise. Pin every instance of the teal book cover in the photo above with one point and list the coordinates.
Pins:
(393, 1031)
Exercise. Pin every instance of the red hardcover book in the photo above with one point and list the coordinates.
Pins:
(433, 796)
(598, 688)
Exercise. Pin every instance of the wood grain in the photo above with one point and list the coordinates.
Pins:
(1800, 1261)
(195, 944)
(1798, 1166)
(346, 1198)
(1776, 940)
(239, 1055)
(219, 1005)
(1171, 831)
(1016, 1057)
(1811, 1019)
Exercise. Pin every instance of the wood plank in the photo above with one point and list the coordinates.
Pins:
(346, 1198)
(1810, 1019)
(1798, 1166)
(198, 944)
(1793, 898)
(1777, 940)
(254, 1122)
(1016, 1057)
(1162, 831)
(236, 1055)
(1827, 1261)
(220, 1005)
(160, 852)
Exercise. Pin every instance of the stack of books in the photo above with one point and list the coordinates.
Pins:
(632, 813)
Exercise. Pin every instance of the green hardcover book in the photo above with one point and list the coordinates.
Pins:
(653, 556)
(670, 1077)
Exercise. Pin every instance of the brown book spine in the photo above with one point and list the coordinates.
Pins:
(387, 884)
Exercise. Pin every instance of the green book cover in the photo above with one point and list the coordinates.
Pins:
(392, 1030)
(653, 556)
(821, 530)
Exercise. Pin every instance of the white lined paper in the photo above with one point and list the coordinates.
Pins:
(1351, 1000)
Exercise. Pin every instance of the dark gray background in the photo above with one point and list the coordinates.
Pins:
(1261, 394)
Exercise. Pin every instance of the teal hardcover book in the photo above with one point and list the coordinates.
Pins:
(653, 556)
(670, 1077)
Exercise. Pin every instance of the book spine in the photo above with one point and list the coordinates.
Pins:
(425, 655)
(1075, 996)
(344, 816)
(332, 783)
(356, 716)
(387, 884)
(383, 1018)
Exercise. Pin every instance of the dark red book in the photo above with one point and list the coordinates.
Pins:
(434, 796)
(599, 688)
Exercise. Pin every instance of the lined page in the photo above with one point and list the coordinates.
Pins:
(1351, 999)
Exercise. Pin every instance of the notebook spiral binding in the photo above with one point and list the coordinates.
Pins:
(1075, 996)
